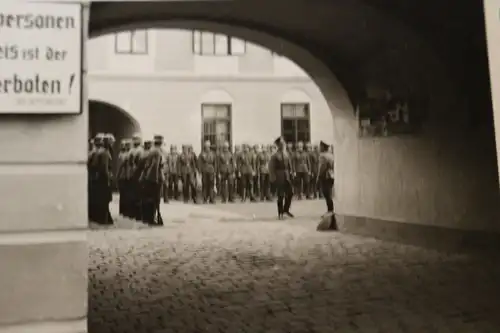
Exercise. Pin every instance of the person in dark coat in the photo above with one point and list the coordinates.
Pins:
(238, 189)
(173, 181)
(122, 176)
(226, 167)
(100, 181)
(134, 174)
(280, 173)
(326, 175)
(302, 167)
(152, 179)
(246, 167)
(207, 165)
(186, 169)
(263, 159)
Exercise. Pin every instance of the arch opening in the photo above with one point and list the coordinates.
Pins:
(108, 118)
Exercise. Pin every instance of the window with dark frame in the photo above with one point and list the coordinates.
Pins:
(296, 122)
(212, 44)
(132, 42)
(216, 120)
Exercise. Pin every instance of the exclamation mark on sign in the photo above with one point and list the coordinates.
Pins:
(71, 80)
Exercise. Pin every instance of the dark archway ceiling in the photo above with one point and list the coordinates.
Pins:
(342, 33)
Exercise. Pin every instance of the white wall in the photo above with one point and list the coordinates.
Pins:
(172, 105)
(171, 52)
(163, 90)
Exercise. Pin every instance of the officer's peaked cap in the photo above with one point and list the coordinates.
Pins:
(158, 138)
(323, 145)
(278, 140)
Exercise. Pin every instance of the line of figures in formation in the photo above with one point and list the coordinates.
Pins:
(147, 174)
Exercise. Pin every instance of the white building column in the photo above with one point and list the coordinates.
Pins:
(43, 219)
(492, 19)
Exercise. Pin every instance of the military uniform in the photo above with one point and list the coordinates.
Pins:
(280, 172)
(313, 161)
(140, 167)
(226, 169)
(186, 168)
(100, 182)
(122, 177)
(256, 177)
(246, 168)
(238, 189)
(326, 175)
(152, 179)
(134, 174)
(263, 159)
(173, 177)
(207, 167)
(302, 169)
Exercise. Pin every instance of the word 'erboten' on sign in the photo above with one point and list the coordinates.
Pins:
(40, 57)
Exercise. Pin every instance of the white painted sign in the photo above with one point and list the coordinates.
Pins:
(492, 18)
(40, 58)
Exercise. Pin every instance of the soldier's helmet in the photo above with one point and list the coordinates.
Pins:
(136, 139)
(109, 138)
(99, 138)
(158, 139)
(324, 146)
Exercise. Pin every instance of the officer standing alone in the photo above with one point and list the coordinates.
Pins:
(280, 173)
(326, 175)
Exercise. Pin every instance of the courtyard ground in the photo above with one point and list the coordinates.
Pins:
(234, 268)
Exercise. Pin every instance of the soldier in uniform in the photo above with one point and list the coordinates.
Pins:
(166, 175)
(316, 154)
(326, 175)
(237, 180)
(173, 178)
(263, 159)
(141, 165)
(226, 166)
(289, 147)
(197, 176)
(302, 168)
(109, 141)
(92, 151)
(218, 151)
(246, 167)
(187, 172)
(122, 176)
(152, 179)
(100, 181)
(256, 179)
(280, 172)
(313, 162)
(134, 185)
(272, 186)
(208, 170)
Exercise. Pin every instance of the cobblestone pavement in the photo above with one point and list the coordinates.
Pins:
(278, 277)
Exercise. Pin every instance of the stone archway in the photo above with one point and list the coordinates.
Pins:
(108, 118)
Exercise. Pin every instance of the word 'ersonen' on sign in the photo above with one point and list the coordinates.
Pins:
(40, 57)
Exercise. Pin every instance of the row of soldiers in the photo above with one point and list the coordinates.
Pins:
(146, 173)
(243, 172)
(140, 181)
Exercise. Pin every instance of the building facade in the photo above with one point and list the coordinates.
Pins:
(192, 86)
